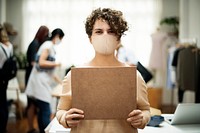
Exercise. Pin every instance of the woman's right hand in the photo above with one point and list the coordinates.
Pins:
(73, 117)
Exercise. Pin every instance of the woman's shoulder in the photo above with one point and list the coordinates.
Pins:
(8, 46)
(47, 44)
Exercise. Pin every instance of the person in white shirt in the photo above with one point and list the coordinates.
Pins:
(42, 76)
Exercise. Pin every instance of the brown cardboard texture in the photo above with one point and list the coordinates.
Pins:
(104, 93)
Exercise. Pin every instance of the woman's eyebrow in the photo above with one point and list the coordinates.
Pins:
(98, 29)
(102, 29)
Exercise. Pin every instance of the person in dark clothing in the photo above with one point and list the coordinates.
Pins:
(6, 50)
(40, 37)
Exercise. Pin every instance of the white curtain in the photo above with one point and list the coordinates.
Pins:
(142, 15)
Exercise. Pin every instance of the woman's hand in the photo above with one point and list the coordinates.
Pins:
(135, 118)
(73, 117)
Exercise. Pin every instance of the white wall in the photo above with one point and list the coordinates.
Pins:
(2, 11)
(170, 8)
(190, 19)
(14, 16)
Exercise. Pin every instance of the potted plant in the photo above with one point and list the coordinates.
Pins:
(172, 22)
(22, 63)
(21, 60)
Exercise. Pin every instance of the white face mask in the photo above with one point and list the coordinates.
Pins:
(105, 44)
(57, 41)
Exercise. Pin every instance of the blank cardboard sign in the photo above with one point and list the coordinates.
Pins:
(104, 93)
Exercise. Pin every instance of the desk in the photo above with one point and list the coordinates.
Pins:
(55, 127)
(167, 128)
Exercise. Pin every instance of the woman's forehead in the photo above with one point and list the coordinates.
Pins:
(101, 24)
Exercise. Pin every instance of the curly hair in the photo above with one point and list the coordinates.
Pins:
(113, 18)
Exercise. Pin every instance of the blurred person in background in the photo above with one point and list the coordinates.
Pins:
(42, 76)
(127, 56)
(40, 37)
(6, 46)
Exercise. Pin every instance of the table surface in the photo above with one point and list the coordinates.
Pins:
(164, 127)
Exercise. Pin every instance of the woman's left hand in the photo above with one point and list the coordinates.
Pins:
(135, 118)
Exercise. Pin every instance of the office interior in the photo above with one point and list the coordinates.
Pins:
(26, 16)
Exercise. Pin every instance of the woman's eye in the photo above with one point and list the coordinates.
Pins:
(111, 31)
(98, 32)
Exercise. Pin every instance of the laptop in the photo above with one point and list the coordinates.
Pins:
(185, 113)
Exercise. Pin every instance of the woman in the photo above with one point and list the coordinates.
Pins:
(42, 75)
(40, 37)
(8, 47)
(104, 28)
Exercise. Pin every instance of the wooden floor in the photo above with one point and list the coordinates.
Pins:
(21, 126)
(18, 125)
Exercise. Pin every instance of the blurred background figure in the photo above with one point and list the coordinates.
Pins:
(40, 37)
(42, 76)
(127, 56)
(6, 50)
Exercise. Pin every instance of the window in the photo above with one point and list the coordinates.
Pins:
(142, 16)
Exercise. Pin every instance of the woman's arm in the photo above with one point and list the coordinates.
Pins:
(43, 62)
(140, 117)
(67, 116)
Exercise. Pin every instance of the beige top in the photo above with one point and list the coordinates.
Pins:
(103, 126)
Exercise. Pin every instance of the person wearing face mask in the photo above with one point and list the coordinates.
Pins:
(104, 28)
(40, 37)
(42, 76)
